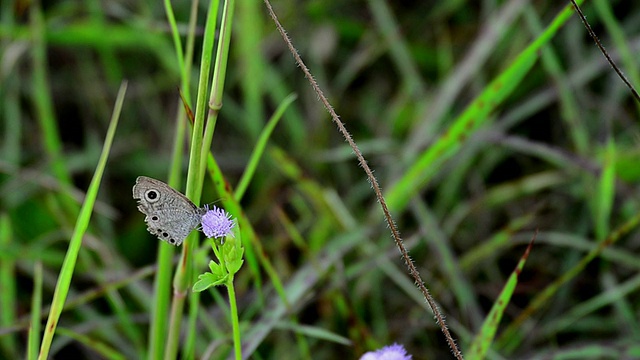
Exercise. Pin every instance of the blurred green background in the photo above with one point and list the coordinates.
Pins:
(557, 153)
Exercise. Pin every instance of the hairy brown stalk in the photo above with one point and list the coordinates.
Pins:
(374, 183)
(604, 52)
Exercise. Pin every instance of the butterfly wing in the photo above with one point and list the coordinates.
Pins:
(170, 215)
(172, 225)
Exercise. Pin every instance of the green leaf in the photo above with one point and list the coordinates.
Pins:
(234, 266)
(208, 280)
(216, 269)
(232, 251)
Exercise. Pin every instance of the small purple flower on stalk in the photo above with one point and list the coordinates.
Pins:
(216, 223)
(391, 352)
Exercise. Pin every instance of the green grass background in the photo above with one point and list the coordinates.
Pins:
(483, 121)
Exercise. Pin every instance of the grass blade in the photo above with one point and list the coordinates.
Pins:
(261, 144)
(36, 305)
(8, 301)
(606, 192)
(66, 273)
(487, 333)
(99, 347)
(511, 335)
(476, 115)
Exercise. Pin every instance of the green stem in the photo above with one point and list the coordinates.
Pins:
(36, 306)
(217, 85)
(162, 281)
(171, 348)
(234, 318)
(184, 271)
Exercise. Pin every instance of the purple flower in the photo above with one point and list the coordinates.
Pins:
(216, 223)
(391, 352)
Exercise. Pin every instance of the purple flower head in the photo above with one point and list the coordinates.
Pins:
(391, 352)
(216, 223)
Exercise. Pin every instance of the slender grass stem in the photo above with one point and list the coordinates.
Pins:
(69, 263)
(237, 344)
